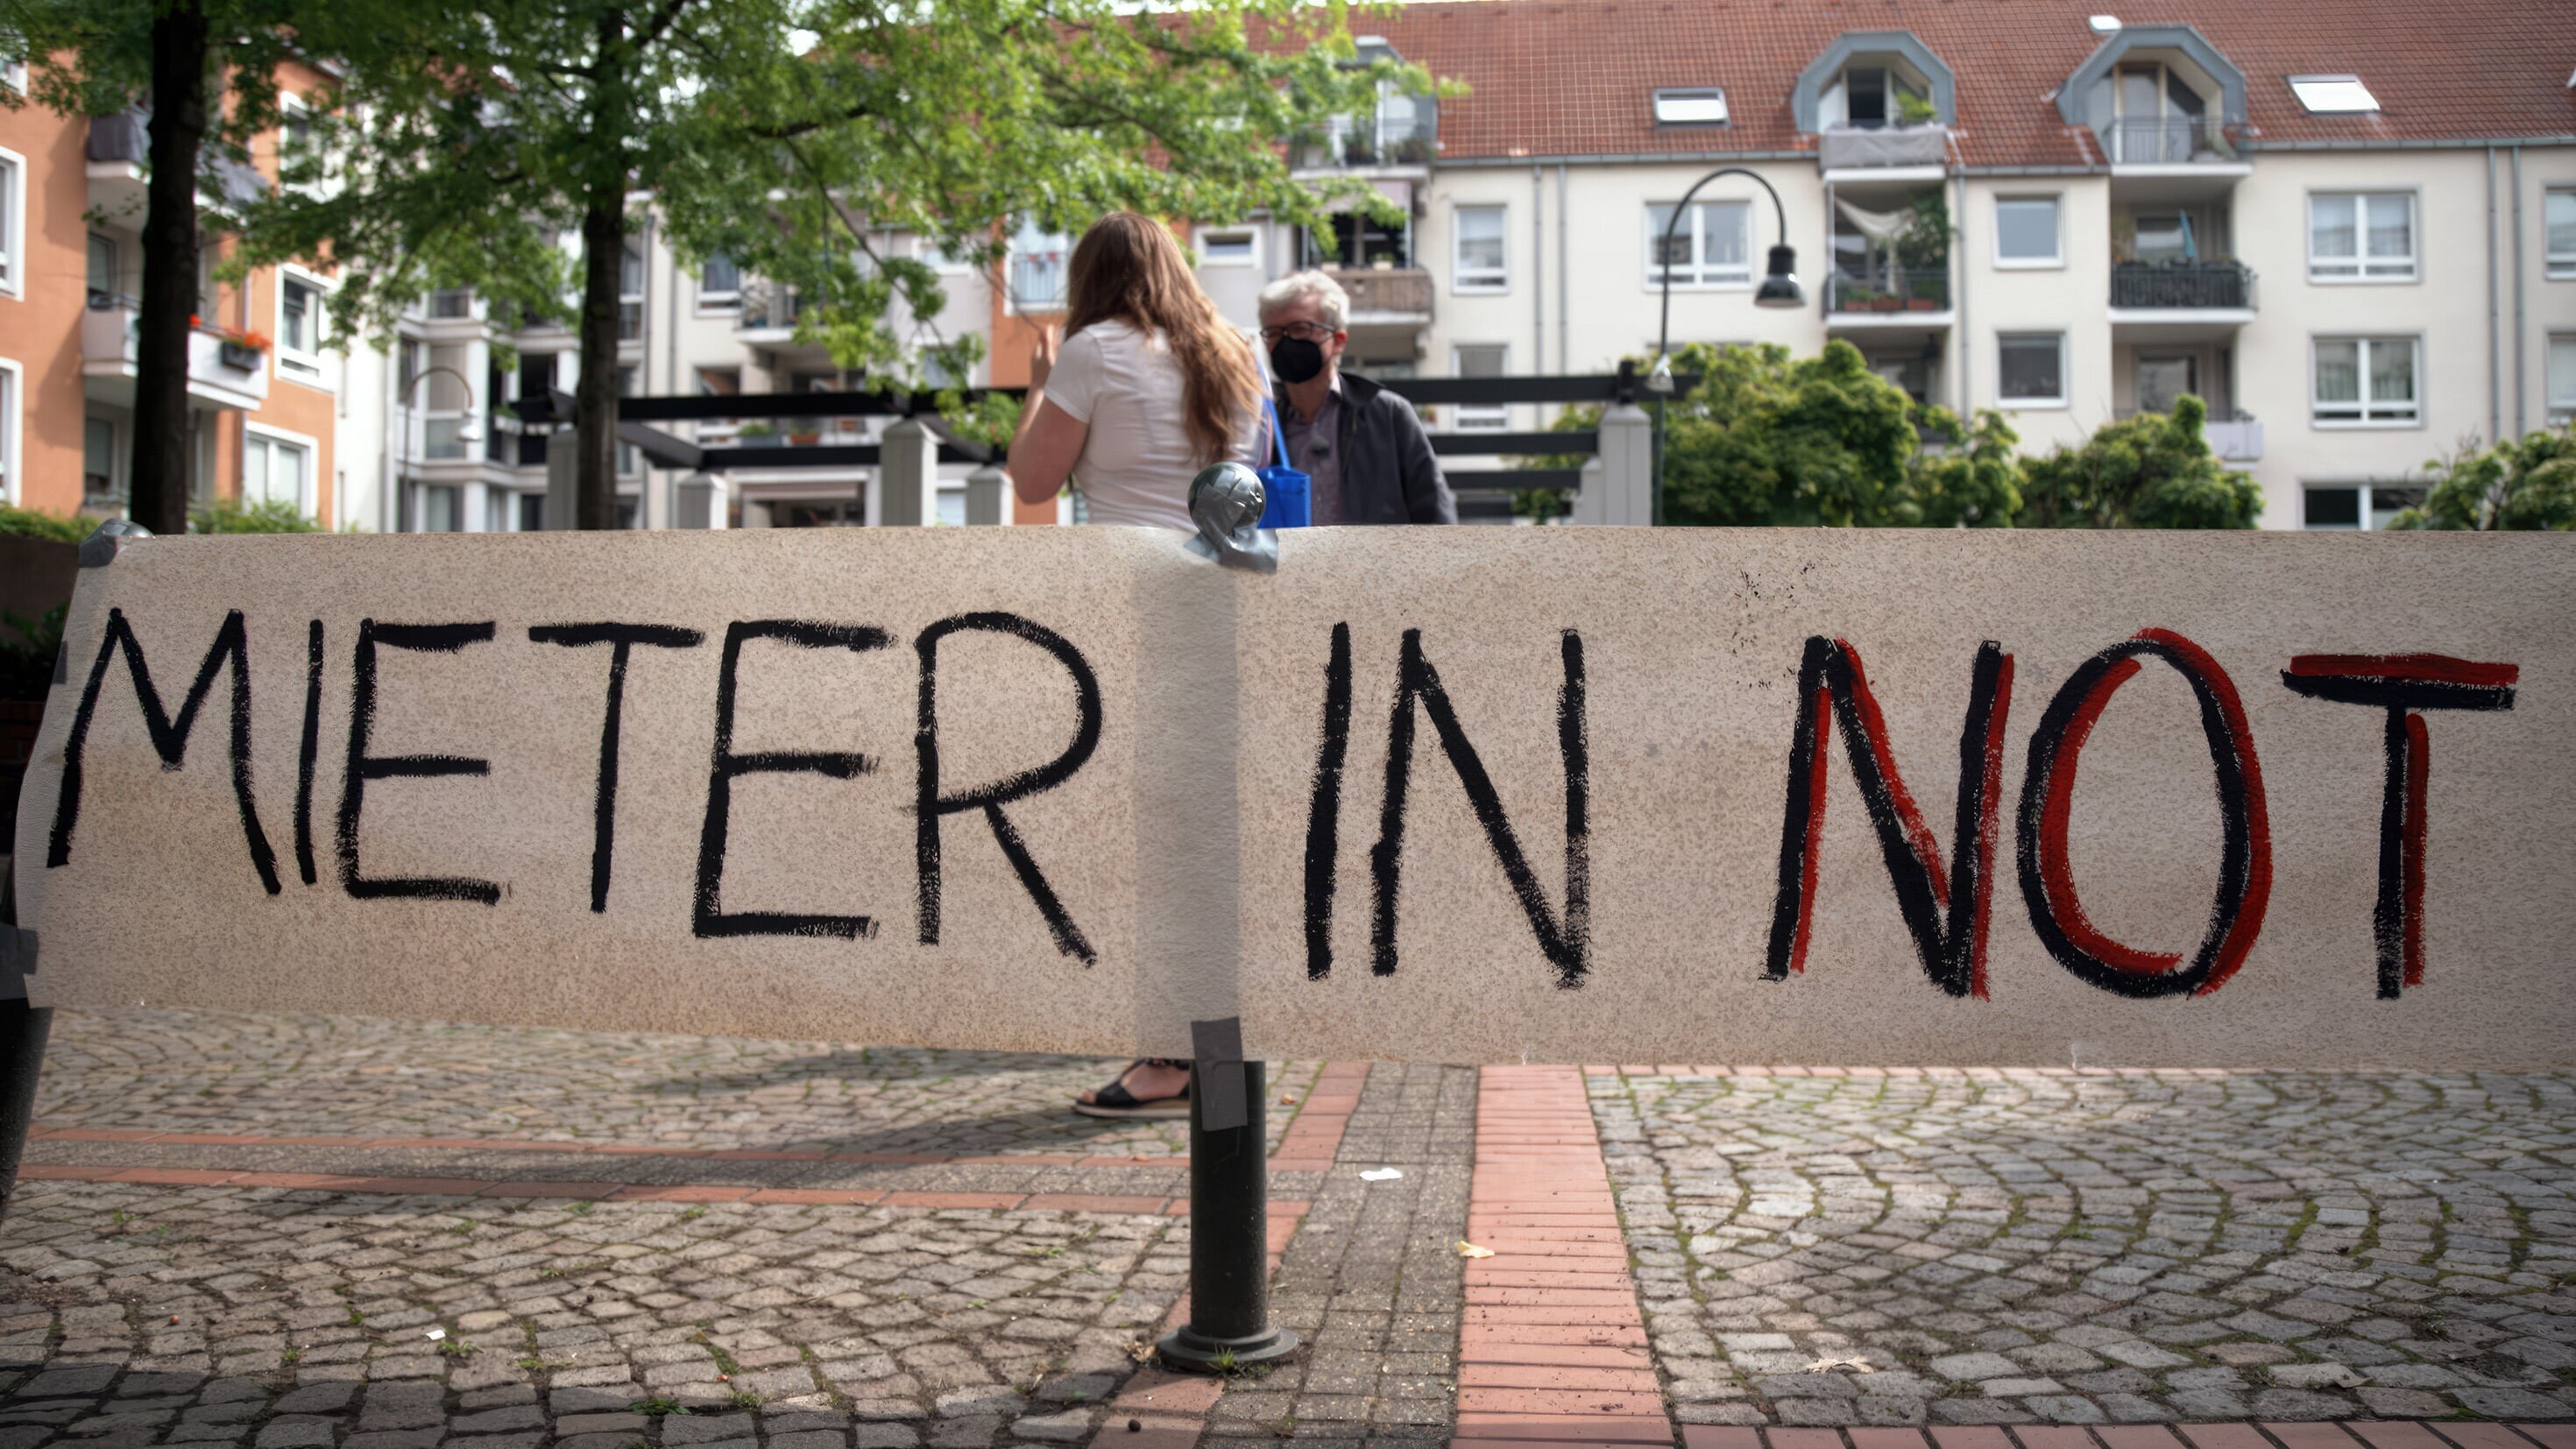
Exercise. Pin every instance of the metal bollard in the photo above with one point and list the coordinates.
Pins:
(1229, 1325)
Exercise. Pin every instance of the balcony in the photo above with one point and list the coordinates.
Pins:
(1896, 296)
(1398, 136)
(1848, 153)
(1387, 293)
(769, 312)
(2237, 441)
(117, 155)
(2162, 141)
(2182, 294)
(221, 373)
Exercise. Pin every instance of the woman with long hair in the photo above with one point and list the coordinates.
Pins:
(1149, 385)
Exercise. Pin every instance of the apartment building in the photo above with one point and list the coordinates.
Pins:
(276, 411)
(2352, 233)
(2354, 237)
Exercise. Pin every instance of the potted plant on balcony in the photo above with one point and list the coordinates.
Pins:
(238, 350)
(756, 431)
(1853, 297)
(803, 434)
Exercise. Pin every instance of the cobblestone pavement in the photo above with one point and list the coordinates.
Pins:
(2028, 1246)
(198, 1313)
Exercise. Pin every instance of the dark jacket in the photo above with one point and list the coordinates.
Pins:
(1388, 472)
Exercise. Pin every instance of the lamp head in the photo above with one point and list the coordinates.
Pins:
(1660, 377)
(469, 431)
(1780, 287)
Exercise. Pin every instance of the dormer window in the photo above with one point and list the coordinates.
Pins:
(1875, 97)
(1690, 106)
(2333, 95)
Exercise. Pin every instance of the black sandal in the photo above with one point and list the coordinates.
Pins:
(1115, 1101)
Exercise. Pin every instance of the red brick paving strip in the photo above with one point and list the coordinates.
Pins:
(1551, 1346)
(2373, 1434)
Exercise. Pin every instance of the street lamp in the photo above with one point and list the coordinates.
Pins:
(1779, 291)
(466, 431)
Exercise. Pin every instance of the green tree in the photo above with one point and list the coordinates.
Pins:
(100, 57)
(1973, 483)
(2529, 483)
(791, 135)
(2154, 470)
(1765, 439)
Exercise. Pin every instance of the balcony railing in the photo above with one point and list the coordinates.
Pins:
(111, 344)
(120, 138)
(1843, 148)
(1387, 289)
(2237, 441)
(766, 305)
(1904, 291)
(2165, 141)
(2223, 286)
(1387, 140)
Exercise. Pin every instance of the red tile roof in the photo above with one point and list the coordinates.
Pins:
(1574, 77)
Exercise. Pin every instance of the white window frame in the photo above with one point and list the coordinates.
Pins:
(2558, 393)
(2372, 414)
(13, 405)
(2368, 501)
(1480, 417)
(1011, 267)
(712, 302)
(1486, 281)
(13, 73)
(116, 446)
(2367, 270)
(13, 223)
(1696, 275)
(300, 365)
(2556, 266)
(2057, 216)
(2345, 95)
(1252, 246)
(290, 105)
(2031, 404)
(309, 496)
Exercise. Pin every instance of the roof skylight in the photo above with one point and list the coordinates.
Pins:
(2333, 95)
(1690, 106)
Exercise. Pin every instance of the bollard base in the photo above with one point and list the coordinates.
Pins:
(1184, 1348)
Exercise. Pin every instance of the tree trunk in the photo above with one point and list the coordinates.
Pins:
(161, 464)
(603, 250)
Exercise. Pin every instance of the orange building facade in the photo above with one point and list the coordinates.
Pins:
(265, 413)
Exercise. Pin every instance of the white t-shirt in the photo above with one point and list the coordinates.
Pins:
(1137, 462)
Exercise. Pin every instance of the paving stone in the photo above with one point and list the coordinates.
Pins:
(296, 1432)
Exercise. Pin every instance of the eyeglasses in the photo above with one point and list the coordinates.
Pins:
(1303, 331)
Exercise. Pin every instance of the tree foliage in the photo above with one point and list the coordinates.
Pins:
(1767, 439)
(2154, 470)
(792, 136)
(2529, 483)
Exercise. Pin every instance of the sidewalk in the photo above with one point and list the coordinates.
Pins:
(241, 1231)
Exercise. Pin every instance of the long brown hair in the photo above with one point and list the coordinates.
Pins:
(1127, 268)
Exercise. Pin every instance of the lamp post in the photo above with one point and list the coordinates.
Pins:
(466, 432)
(1779, 291)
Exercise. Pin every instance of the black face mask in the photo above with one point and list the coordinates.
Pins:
(1297, 360)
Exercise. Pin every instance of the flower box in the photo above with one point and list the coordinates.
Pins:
(239, 356)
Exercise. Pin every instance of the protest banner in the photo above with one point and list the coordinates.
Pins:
(1859, 797)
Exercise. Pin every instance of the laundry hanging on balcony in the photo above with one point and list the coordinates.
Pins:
(1882, 228)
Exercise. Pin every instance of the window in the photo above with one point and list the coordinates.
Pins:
(532, 512)
(2562, 377)
(104, 271)
(1479, 265)
(1691, 106)
(1481, 360)
(13, 66)
(2356, 236)
(435, 508)
(630, 290)
(9, 403)
(630, 460)
(2333, 95)
(1711, 247)
(277, 470)
(2026, 232)
(2558, 220)
(2032, 369)
(2371, 506)
(302, 165)
(719, 282)
(1038, 268)
(450, 303)
(98, 461)
(2365, 380)
(1235, 246)
(13, 206)
(299, 328)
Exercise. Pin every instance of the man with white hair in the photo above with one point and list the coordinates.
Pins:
(1362, 445)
